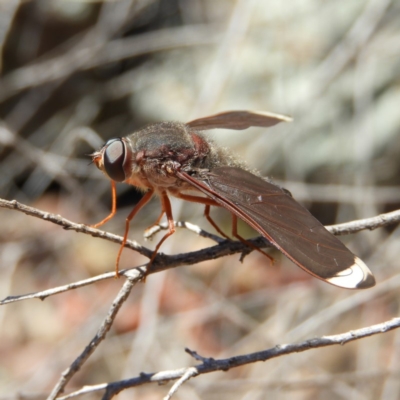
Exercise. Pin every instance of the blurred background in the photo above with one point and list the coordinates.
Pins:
(76, 73)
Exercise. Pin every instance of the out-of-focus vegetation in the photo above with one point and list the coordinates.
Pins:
(75, 73)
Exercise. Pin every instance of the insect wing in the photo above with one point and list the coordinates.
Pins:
(238, 120)
(285, 223)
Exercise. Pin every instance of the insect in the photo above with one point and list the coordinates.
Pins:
(172, 158)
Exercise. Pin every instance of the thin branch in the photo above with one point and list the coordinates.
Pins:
(190, 373)
(198, 357)
(338, 229)
(69, 225)
(99, 337)
(213, 365)
(164, 262)
(134, 273)
(150, 232)
(367, 223)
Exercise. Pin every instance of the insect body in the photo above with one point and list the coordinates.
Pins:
(171, 158)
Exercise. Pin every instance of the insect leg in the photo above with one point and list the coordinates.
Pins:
(213, 223)
(208, 203)
(148, 232)
(113, 207)
(135, 210)
(166, 208)
(158, 219)
(247, 243)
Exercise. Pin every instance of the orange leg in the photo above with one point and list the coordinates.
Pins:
(212, 222)
(113, 207)
(196, 199)
(145, 199)
(155, 223)
(208, 203)
(247, 243)
(166, 208)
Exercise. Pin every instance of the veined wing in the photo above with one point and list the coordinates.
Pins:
(285, 223)
(238, 120)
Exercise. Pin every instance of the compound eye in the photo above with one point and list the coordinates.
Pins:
(114, 158)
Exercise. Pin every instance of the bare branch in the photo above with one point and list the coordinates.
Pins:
(162, 261)
(213, 365)
(69, 225)
(150, 232)
(367, 223)
(99, 337)
(135, 274)
(339, 229)
(190, 373)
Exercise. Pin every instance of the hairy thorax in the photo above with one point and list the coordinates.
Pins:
(161, 149)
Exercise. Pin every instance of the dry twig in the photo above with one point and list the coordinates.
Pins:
(213, 365)
(162, 262)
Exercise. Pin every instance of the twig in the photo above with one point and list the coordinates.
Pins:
(69, 225)
(212, 365)
(164, 262)
(339, 229)
(134, 273)
(367, 223)
(190, 373)
(150, 232)
(99, 337)
(198, 357)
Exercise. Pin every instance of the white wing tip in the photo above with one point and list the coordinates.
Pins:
(284, 118)
(358, 276)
